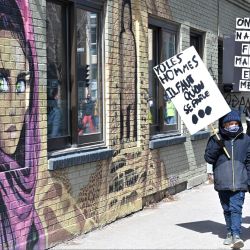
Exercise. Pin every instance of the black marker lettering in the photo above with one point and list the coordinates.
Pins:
(201, 97)
(195, 61)
(169, 92)
(185, 67)
(190, 65)
(184, 86)
(189, 79)
(178, 86)
(166, 76)
(179, 57)
(188, 109)
(177, 71)
(160, 68)
(187, 96)
(240, 21)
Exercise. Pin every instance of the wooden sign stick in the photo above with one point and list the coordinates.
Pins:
(225, 150)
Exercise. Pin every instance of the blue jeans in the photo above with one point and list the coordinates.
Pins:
(232, 203)
(170, 120)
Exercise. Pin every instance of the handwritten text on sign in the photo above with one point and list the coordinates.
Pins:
(242, 36)
(192, 90)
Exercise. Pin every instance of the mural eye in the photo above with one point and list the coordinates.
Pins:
(4, 86)
(20, 86)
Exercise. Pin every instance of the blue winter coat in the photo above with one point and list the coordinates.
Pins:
(234, 173)
(54, 120)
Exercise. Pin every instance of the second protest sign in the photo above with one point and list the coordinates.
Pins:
(192, 90)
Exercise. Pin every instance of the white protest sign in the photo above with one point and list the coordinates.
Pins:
(243, 23)
(192, 90)
(242, 61)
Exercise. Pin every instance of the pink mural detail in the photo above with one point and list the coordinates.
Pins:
(20, 226)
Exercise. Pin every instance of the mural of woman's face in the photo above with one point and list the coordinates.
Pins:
(14, 91)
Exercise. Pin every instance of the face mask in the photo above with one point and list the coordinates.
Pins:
(233, 128)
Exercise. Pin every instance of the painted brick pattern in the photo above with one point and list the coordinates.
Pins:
(76, 199)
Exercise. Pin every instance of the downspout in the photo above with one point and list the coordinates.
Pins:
(218, 18)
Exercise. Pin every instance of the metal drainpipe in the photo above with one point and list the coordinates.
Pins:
(218, 18)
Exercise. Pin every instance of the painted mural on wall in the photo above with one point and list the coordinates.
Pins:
(128, 76)
(71, 200)
(20, 227)
(238, 101)
(105, 190)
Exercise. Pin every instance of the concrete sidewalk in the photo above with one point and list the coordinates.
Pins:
(194, 220)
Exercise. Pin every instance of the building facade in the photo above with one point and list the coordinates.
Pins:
(87, 133)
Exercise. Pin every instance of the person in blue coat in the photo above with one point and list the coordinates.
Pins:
(231, 175)
(54, 115)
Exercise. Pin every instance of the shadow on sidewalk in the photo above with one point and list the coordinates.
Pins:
(246, 220)
(208, 226)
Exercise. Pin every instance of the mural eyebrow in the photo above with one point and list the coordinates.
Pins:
(5, 72)
(22, 75)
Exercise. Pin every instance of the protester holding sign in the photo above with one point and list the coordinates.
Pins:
(231, 175)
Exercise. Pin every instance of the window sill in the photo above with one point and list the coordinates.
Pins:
(167, 141)
(81, 157)
(200, 135)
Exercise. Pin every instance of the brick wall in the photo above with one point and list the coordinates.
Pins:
(56, 205)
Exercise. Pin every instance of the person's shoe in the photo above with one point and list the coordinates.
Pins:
(210, 179)
(228, 240)
(237, 242)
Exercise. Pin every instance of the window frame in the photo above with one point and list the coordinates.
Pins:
(199, 37)
(161, 26)
(56, 143)
(73, 140)
(89, 139)
(220, 61)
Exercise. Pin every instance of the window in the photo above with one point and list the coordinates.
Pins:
(220, 61)
(162, 44)
(196, 40)
(74, 89)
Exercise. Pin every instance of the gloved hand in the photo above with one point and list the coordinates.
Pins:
(221, 146)
(219, 143)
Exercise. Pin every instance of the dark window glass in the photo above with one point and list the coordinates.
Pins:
(220, 61)
(162, 45)
(73, 76)
(196, 40)
(88, 87)
(57, 83)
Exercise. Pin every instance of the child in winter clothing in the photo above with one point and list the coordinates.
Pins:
(231, 176)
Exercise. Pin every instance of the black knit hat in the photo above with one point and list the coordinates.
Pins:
(231, 116)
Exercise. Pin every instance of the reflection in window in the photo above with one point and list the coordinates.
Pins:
(87, 81)
(169, 112)
(152, 90)
(73, 73)
(163, 116)
(57, 104)
(168, 50)
(168, 45)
